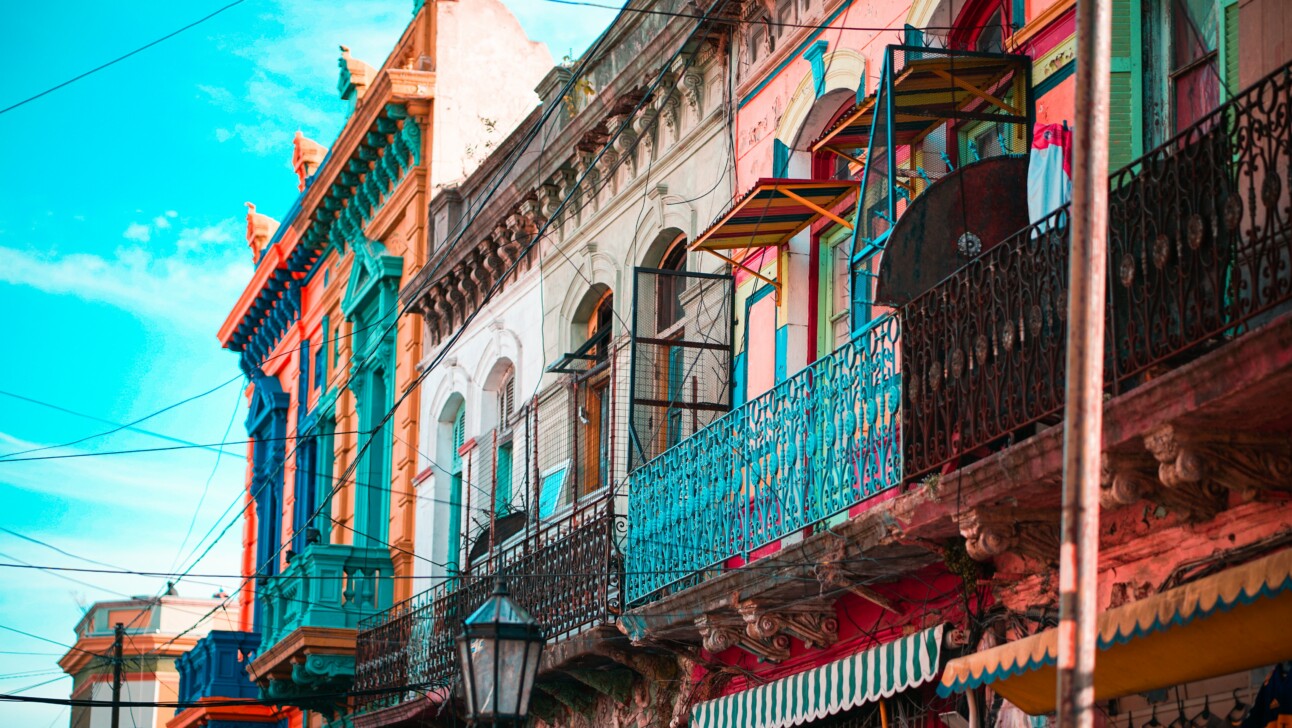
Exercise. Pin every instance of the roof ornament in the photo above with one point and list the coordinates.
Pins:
(260, 229)
(307, 156)
(355, 76)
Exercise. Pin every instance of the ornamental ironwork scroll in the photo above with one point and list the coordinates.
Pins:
(817, 444)
(566, 574)
(1200, 251)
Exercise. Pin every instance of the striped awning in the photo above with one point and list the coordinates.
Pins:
(1232, 621)
(879, 672)
(774, 211)
(852, 130)
(928, 91)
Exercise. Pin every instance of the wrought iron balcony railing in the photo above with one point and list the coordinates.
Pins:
(327, 585)
(566, 573)
(216, 667)
(814, 446)
(1199, 250)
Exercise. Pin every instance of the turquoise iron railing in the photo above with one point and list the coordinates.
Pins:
(328, 585)
(817, 444)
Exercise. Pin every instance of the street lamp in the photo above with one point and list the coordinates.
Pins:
(499, 649)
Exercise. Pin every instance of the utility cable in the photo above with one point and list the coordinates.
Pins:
(119, 59)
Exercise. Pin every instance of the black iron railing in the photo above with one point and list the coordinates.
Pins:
(1199, 250)
(567, 574)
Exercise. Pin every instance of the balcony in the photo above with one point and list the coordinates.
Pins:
(815, 446)
(216, 670)
(311, 612)
(567, 574)
(1198, 253)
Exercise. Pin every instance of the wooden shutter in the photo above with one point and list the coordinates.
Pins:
(459, 436)
(1126, 122)
(1230, 85)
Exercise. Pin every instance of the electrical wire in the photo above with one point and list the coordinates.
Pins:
(10, 456)
(355, 370)
(121, 58)
(101, 420)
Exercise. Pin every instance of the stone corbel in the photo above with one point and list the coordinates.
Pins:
(834, 575)
(1238, 461)
(670, 108)
(991, 531)
(718, 634)
(1126, 478)
(693, 88)
(814, 624)
(549, 197)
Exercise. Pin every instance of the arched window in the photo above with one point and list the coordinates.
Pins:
(669, 288)
(457, 437)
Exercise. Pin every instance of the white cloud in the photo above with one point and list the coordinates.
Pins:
(195, 238)
(192, 288)
(172, 214)
(161, 222)
(138, 232)
(293, 84)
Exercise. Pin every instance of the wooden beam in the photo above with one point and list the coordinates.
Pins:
(813, 206)
(975, 91)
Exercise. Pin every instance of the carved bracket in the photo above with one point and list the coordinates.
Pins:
(1127, 478)
(814, 624)
(1239, 461)
(994, 530)
(720, 633)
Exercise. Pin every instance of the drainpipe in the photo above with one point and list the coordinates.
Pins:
(1083, 418)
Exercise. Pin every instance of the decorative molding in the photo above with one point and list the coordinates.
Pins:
(1212, 459)
(814, 624)
(991, 531)
(721, 633)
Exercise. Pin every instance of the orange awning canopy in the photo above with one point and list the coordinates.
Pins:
(929, 91)
(1232, 621)
(774, 211)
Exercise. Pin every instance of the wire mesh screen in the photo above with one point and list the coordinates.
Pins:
(680, 359)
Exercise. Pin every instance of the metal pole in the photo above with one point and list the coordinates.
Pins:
(1083, 418)
(118, 634)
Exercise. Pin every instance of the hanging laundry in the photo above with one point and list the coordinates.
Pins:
(1049, 170)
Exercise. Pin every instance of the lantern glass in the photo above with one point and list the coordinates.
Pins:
(499, 649)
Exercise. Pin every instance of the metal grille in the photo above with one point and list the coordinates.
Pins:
(1200, 249)
(566, 574)
(680, 358)
(815, 445)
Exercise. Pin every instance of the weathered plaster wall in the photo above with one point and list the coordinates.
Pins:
(486, 69)
(506, 331)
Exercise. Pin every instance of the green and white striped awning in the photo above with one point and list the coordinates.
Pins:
(867, 676)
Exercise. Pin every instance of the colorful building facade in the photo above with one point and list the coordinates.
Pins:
(158, 636)
(750, 379)
(331, 363)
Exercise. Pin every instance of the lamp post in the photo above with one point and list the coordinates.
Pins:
(499, 650)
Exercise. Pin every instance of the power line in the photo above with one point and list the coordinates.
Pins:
(119, 59)
(139, 450)
(767, 22)
(9, 456)
(101, 420)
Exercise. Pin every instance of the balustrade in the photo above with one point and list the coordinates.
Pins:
(566, 573)
(216, 667)
(815, 445)
(1198, 251)
(327, 585)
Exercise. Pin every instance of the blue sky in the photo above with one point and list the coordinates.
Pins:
(121, 249)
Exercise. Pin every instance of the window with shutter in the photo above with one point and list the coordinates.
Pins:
(459, 437)
(1126, 103)
(506, 401)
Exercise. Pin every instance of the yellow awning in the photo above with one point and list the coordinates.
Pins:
(1236, 620)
